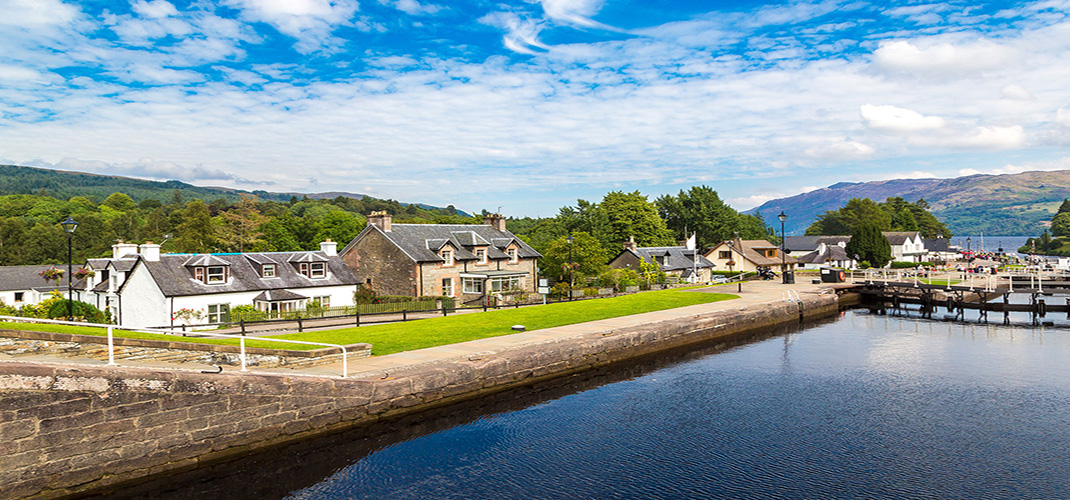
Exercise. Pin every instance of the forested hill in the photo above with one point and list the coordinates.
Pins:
(1011, 204)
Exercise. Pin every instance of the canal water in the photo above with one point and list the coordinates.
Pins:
(862, 406)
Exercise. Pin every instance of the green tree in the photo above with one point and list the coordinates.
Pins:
(1060, 224)
(589, 258)
(339, 226)
(631, 215)
(196, 233)
(120, 202)
(904, 220)
(701, 211)
(240, 226)
(868, 244)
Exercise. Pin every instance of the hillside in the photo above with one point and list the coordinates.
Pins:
(1010, 205)
(62, 184)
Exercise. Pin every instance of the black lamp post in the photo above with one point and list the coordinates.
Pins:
(783, 258)
(69, 225)
(967, 244)
(570, 266)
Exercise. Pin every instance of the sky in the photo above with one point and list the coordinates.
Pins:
(529, 105)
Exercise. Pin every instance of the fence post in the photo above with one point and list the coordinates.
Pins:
(404, 315)
(242, 321)
(242, 340)
(443, 309)
(358, 318)
(300, 326)
(111, 348)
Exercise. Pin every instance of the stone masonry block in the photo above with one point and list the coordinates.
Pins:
(17, 429)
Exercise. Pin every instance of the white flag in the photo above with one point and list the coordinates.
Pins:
(691, 242)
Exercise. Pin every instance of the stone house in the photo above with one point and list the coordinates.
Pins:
(467, 261)
(141, 287)
(749, 255)
(686, 264)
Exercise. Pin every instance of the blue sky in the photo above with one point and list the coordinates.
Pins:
(529, 105)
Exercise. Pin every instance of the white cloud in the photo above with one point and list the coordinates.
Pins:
(574, 12)
(1017, 92)
(932, 58)
(1058, 164)
(522, 34)
(36, 13)
(842, 150)
(1062, 117)
(413, 7)
(992, 138)
(311, 22)
(18, 73)
(895, 119)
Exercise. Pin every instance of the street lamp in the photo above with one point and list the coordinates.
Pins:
(783, 258)
(967, 245)
(69, 225)
(570, 266)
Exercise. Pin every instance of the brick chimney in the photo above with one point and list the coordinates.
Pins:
(380, 219)
(630, 244)
(329, 248)
(495, 220)
(150, 251)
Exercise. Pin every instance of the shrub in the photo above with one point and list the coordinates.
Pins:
(246, 312)
(82, 310)
(590, 292)
(392, 299)
(559, 290)
(363, 295)
(909, 265)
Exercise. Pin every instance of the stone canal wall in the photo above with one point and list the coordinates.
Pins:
(66, 431)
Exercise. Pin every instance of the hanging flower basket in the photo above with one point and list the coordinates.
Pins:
(51, 274)
(83, 273)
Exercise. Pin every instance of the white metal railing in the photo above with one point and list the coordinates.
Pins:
(162, 331)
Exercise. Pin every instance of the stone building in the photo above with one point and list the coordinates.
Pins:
(467, 261)
(749, 255)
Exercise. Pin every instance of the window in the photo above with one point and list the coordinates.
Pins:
(217, 274)
(324, 300)
(447, 287)
(447, 255)
(268, 271)
(219, 313)
(198, 274)
(19, 296)
(481, 255)
(303, 268)
(770, 253)
(724, 254)
(505, 284)
(512, 255)
(318, 270)
(472, 285)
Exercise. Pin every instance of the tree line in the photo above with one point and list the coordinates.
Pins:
(894, 214)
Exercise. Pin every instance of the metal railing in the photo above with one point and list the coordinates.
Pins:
(161, 331)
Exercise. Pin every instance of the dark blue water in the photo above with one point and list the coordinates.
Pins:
(865, 407)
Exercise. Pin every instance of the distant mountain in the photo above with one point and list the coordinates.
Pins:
(998, 205)
(64, 184)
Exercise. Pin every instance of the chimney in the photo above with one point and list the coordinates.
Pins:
(381, 219)
(150, 251)
(495, 220)
(329, 247)
(120, 250)
(630, 244)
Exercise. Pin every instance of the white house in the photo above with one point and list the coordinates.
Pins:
(149, 289)
(23, 285)
(907, 246)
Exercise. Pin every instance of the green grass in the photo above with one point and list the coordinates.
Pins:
(939, 281)
(419, 334)
(102, 332)
(398, 337)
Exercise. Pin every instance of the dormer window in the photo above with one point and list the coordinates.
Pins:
(447, 256)
(216, 274)
(481, 255)
(512, 256)
(198, 274)
(313, 270)
(267, 271)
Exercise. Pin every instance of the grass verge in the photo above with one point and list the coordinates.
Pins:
(420, 334)
(101, 332)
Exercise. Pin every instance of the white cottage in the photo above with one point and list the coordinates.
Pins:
(907, 246)
(149, 289)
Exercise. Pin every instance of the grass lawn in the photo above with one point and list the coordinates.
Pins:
(102, 332)
(419, 334)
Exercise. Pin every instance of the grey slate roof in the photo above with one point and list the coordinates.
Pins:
(27, 278)
(277, 295)
(804, 243)
(175, 279)
(422, 242)
(675, 258)
(937, 244)
(900, 237)
(831, 253)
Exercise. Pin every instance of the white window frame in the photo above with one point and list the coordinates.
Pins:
(447, 287)
(447, 255)
(215, 278)
(317, 270)
(514, 256)
(505, 284)
(303, 268)
(20, 297)
(472, 285)
(324, 300)
(268, 271)
(481, 254)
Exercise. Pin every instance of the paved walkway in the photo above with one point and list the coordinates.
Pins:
(751, 294)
